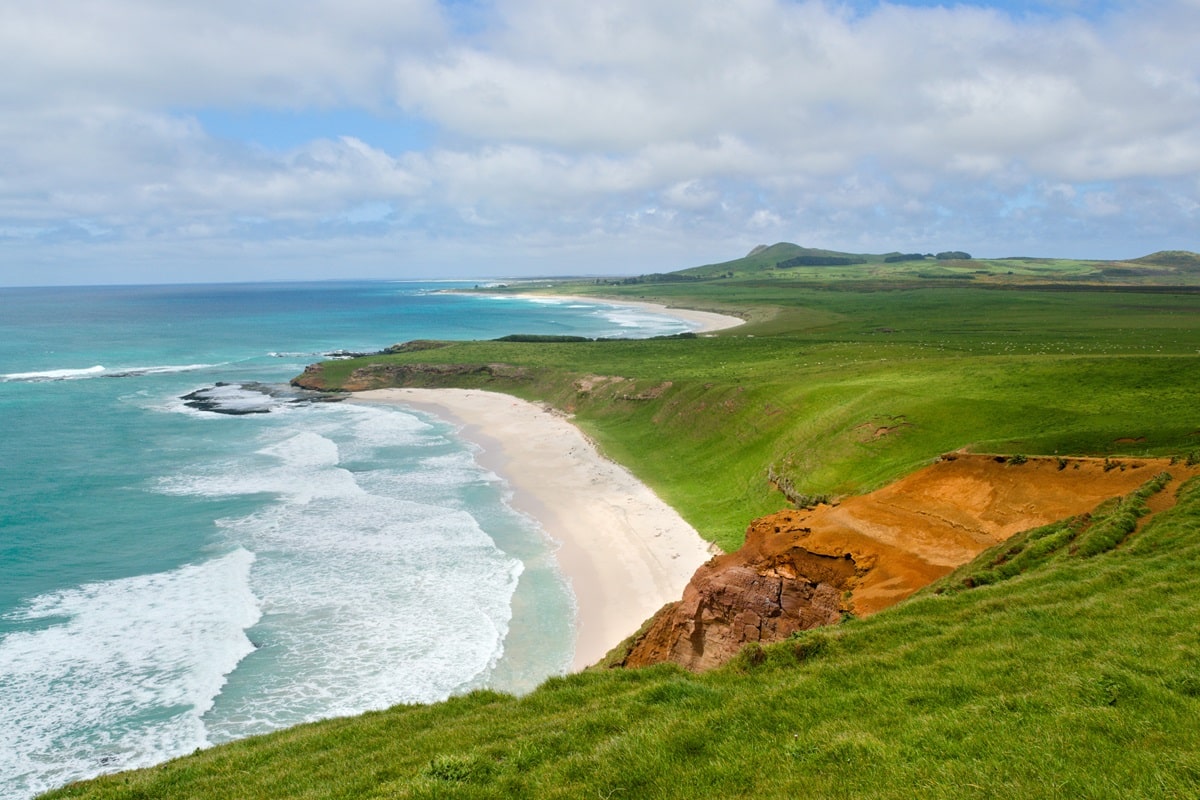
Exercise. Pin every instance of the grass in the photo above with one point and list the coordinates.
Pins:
(1077, 677)
(1065, 663)
(704, 420)
(1164, 269)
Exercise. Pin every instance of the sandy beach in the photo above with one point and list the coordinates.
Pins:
(704, 321)
(625, 551)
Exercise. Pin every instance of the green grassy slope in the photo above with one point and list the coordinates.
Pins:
(702, 420)
(1079, 677)
(1065, 663)
(792, 263)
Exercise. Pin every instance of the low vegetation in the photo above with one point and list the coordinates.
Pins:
(1063, 663)
(1074, 677)
(713, 423)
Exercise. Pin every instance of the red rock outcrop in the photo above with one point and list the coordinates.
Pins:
(803, 568)
(733, 600)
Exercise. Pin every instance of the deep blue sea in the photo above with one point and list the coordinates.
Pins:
(172, 577)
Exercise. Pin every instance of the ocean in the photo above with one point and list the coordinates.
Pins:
(173, 575)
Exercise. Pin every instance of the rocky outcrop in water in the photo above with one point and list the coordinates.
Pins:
(251, 397)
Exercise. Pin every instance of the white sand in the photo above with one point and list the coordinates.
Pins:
(625, 551)
(704, 321)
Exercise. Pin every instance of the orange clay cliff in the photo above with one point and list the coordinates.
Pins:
(800, 569)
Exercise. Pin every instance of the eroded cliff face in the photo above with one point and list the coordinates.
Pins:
(383, 375)
(735, 599)
(804, 568)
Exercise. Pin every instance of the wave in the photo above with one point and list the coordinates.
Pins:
(54, 374)
(121, 672)
(133, 372)
(641, 323)
(626, 321)
(100, 371)
(373, 594)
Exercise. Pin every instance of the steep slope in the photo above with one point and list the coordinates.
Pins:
(805, 568)
(1076, 677)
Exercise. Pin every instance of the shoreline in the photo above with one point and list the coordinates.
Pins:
(624, 551)
(705, 321)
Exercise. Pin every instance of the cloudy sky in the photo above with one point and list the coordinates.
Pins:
(171, 140)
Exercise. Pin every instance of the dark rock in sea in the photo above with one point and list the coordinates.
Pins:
(241, 399)
(343, 355)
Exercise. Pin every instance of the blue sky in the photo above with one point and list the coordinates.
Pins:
(168, 142)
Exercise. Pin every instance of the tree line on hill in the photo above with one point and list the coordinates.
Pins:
(843, 261)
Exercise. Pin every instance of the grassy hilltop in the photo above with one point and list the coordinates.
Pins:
(1065, 663)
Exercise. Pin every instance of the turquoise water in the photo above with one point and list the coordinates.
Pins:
(172, 577)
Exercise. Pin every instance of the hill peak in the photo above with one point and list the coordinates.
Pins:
(1180, 259)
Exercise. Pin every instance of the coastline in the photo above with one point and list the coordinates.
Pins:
(705, 321)
(625, 552)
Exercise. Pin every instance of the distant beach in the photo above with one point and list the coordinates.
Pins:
(705, 321)
(625, 551)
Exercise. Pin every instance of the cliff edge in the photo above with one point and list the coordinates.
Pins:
(805, 568)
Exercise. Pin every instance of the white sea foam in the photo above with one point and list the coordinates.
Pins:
(646, 323)
(121, 674)
(100, 371)
(54, 374)
(625, 319)
(300, 466)
(367, 603)
(377, 585)
(375, 427)
(438, 475)
(167, 369)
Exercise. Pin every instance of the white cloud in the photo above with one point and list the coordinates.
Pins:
(601, 123)
(223, 52)
(693, 195)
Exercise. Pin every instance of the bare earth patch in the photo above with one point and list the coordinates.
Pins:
(803, 568)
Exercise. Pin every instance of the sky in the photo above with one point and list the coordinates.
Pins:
(163, 141)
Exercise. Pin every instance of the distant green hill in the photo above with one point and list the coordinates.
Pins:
(768, 257)
(1182, 260)
(785, 261)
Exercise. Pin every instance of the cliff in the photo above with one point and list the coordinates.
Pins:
(801, 569)
(381, 375)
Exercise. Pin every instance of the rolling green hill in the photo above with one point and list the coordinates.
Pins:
(765, 257)
(792, 263)
(1019, 370)
(1065, 663)
(1079, 677)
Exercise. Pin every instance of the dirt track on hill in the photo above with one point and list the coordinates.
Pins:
(895, 541)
